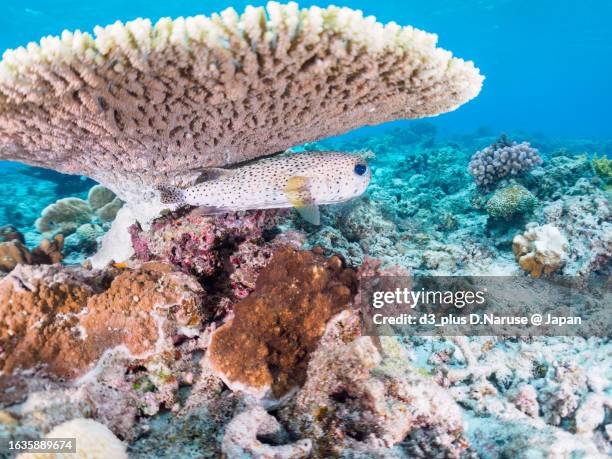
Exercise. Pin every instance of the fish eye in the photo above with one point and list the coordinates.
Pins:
(360, 169)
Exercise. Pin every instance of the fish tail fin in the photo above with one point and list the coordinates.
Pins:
(171, 194)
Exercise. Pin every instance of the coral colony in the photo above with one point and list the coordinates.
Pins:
(150, 329)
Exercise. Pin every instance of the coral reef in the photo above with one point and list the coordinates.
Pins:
(540, 249)
(294, 298)
(173, 349)
(510, 201)
(502, 158)
(355, 402)
(312, 61)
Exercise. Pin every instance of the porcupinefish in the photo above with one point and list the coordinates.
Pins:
(300, 180)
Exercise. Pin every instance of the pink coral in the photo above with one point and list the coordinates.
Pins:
(230, 249)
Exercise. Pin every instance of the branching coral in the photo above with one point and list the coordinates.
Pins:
(541, 249)
(501, 159)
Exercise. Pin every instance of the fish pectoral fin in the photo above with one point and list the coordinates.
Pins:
(310, 213)
(213, 173)
(299, 195)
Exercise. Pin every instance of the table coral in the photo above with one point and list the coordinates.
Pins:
(238, 87)
(295, 295)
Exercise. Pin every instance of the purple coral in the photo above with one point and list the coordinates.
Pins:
(500, 159)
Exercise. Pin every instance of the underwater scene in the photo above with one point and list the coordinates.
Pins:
(245, 229)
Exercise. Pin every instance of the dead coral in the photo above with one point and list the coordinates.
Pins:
(241, 437)
(361, 402)
(268, 342)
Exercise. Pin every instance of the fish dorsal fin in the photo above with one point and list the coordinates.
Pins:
(213, 173)
(299, 195)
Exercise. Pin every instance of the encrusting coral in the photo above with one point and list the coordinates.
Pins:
(540, 249)
(139, 105)
(296, 294)
(71, 316)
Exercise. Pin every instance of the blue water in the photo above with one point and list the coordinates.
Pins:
(548, 63)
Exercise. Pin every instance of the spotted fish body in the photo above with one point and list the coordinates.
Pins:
(301, 180)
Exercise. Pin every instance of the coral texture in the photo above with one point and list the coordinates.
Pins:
(540, 249)
(140, 104)
(93, 441)
(510, 201)
(15, 252)
(64, 216)
(502, 158)
(355, 400)
(295, 296)
(63, 320)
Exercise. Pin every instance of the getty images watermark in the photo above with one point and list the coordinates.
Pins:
(502, 306)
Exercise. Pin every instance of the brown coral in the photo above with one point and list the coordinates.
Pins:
(14, 252)
(64, 319)
(268, 342)
(139, 105)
